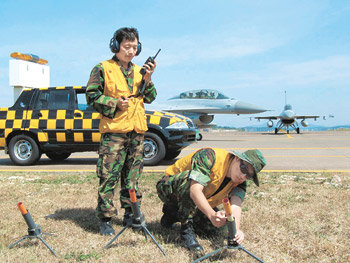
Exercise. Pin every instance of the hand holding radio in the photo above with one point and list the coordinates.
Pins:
(149, 61)
(148, 67)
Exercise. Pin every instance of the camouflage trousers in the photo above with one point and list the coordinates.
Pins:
(174, 191)
(120, 158)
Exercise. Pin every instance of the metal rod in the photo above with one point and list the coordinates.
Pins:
(208, 255)
(18, 241)
(116, 236)
(145, 228)
(251, 254)
(42, 240)
(138, 221)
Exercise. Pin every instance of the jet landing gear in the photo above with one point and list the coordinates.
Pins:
(296, 127)
(281, 125)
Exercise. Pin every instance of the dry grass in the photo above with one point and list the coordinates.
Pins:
(289, 218)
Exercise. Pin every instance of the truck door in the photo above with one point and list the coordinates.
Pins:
(53, 110)
(86, 120)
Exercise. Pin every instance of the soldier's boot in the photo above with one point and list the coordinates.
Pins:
(170, 215)
(106, 228)
(188, 237)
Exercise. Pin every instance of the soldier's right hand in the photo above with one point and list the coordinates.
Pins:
(218, 219)
(123, 103)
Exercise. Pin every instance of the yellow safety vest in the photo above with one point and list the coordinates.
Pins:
(217, 175)
(134, 117)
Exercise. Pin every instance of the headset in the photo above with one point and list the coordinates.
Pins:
(114, 45)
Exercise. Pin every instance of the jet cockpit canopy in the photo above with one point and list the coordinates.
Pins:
(201, 94)
(288, 107)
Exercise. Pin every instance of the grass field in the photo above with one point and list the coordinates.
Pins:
(289, 218)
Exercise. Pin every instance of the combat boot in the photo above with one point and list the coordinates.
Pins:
(170, 215)
(188, 237)
(106, 228)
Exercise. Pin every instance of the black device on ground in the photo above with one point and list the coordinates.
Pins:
(231, 243)
(34, 230)
(137, 222)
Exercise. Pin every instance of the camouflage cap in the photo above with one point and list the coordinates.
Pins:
(255, 158)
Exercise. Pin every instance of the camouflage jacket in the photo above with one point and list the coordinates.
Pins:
(106, 105)
(202, 164)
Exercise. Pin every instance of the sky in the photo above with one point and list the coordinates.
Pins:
(249, 50)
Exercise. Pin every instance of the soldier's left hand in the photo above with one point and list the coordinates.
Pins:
(239, 237)
(123, 103)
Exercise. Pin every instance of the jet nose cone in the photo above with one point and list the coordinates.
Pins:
(287, 114)
(247, 108)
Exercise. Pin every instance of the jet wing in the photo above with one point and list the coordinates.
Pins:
(194, 108)
(306, 117)
(268, 118)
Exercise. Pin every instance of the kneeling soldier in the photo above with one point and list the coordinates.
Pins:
(201, 180)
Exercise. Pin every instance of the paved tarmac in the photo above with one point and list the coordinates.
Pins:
(305, 152)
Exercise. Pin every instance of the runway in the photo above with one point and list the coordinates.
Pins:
(327, 151)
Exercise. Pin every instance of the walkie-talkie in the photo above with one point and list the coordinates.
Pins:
(143, 72)
(150, 59)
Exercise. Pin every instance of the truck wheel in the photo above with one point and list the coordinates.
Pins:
(58, 156)
(153, 149)
(24, 150)
(171, 154)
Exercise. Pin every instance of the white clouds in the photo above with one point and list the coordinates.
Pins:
(334, 69)
(199, 48)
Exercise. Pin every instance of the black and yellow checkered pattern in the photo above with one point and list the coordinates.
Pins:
(163, 119)
(51, 125)
(65, 125)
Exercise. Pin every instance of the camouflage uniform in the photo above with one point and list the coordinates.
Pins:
(120, 154)
(174, 190)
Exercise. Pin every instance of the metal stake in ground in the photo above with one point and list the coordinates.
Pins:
(34, 230)
(137, 222)
(231, 244)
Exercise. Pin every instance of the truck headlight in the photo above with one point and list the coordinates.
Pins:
(178, 125)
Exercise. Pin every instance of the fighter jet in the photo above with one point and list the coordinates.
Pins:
(287, 119)
(201, 105)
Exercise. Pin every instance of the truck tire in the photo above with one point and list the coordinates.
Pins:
(24, 150)
(58, 156)
(153, 149)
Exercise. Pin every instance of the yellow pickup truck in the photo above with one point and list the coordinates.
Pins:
(57, 122)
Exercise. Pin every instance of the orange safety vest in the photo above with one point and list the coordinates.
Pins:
(134, 117)
(217, 175)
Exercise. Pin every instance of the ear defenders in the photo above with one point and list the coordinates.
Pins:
(115, 46)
